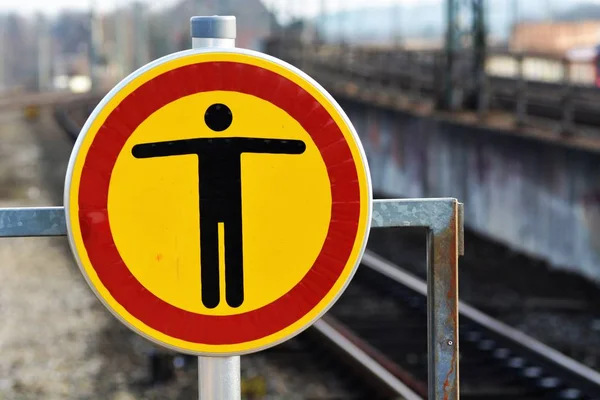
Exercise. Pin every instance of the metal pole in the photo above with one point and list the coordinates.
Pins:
(397, 24)
(92, 40)
(340, 21)
(515, 9)
(450, 52)
(43, 47)
(282, 27)
(140, 26)
(348, 27)
(121, 24)
(3, 53)
(479, 54)
(320, 31)
(218, 377)
(90, 49)
(215, 31)
(549, 10)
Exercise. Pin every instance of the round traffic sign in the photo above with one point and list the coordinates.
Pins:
(218, 202)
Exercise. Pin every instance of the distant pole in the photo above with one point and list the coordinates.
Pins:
(345, 14)
(283, 24)
(282, 35)
(322, 31)
(340, 21)
(549, 10)
(299, 18)
(3, 54)
(120, 39)
(449, 55)
(141, 34)
(279, 16)
(397, 23)
(349, 28)
(43, 53)
(480, 51)
(287, 12)
(271, 9)
(92, 46)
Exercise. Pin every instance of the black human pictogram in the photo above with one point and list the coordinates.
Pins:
(220, 197)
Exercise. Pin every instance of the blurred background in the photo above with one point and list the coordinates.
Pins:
(495, 103)
(63, 44)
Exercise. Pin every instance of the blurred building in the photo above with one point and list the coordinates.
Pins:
(134, 35)
(105, 47)
(252, 18)
(556, 38)
(17, 53)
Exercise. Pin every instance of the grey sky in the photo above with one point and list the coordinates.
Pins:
(303, 7)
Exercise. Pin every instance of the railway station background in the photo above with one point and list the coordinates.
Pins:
(510, 129)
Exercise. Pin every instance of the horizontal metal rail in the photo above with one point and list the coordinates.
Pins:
(417, 75)
(32, 221)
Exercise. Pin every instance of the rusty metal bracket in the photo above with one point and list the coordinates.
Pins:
(443, 219)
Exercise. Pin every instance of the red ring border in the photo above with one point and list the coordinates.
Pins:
(93, 202)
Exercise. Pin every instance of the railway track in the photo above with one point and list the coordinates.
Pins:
(373, 344)
(553, 305)
(72, 116)
(22, 100)
(386, 307)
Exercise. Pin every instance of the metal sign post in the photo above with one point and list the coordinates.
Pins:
(218, 377)
(335, 197)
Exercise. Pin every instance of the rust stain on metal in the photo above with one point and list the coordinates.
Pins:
(447, 386)
(461, 229)
(453, 244)
(446, 250)
(453, 257)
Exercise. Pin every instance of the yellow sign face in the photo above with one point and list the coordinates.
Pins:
(218, 202)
